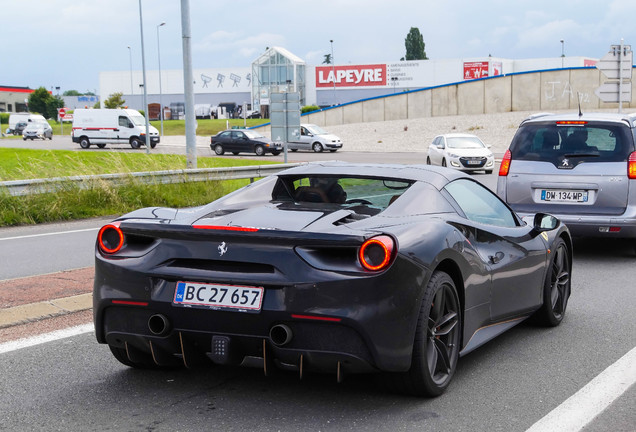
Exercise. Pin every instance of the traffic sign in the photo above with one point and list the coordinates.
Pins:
(61, 112)
(608, 92)
(617, 63)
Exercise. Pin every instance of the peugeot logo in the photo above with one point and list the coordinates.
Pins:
(222, 249)
(565, 163)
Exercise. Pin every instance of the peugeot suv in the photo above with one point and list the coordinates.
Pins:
(579, 167)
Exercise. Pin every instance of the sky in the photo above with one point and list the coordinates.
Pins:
(67, 43)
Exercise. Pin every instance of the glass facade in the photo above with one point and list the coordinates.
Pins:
(277, 71)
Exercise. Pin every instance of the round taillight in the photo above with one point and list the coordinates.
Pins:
(110, 238)
(376, 253)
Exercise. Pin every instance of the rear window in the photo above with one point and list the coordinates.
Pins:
(597, 142)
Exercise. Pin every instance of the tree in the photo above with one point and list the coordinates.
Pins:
(38, 100)
(52, 105)
(114, 101)
(414, 43)
(71, 93)
(327, 59)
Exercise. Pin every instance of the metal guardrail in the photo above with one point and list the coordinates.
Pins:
(34, 186)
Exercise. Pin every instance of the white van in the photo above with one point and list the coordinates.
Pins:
(24, 117)
(111, 126)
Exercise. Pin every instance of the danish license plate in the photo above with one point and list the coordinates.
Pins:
(555, 195)
(219, 297)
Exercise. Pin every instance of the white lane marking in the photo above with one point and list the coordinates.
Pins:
(46, 337)
(583, 406)
(49, 234)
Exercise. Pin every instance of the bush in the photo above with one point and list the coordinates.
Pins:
(309, 108)
(4, 118)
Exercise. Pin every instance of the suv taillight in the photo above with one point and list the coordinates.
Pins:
(631, 166)
(505, 164)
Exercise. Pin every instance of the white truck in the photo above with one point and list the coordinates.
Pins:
(23, 117)
(111, 126)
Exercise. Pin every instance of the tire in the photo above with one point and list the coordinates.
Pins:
(136, 143)
(443, 162)
(259, 150)
(153, 144)
(556, 288)
(316, 147)
(101, 146)
(218, 149)
(235, 153)
(294, 150)
(428, 160)
(488, 171)
(23, 138)
(276, 152)
(84, 143)
(437, 338)
(333, 151)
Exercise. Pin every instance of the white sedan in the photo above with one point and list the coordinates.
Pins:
(464, 152)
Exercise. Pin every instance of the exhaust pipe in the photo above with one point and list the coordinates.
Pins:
(159, 325)
(280, 335)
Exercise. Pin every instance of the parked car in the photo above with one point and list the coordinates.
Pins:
(464, 152)
(313, 137)
(19, 128)
(330, 267)
(37, 129)
(581, 168)
(243, 141)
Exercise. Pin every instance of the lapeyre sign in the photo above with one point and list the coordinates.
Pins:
(351, 76)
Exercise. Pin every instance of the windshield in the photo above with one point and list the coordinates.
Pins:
(605, 142)
(252, 134)
(138, 120)
(464, 142)
(365, 195)
(315, 130)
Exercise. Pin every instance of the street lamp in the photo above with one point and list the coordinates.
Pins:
(333, 72)
(143, 71)
(159, 59)
(562, 52)
(131, 79)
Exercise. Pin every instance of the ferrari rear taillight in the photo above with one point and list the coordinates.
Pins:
(505, 164)
(376, 253)
(631, 166)
(110, 238)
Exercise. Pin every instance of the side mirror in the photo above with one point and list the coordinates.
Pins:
(441, 146)
(544, 222)
(130, 125)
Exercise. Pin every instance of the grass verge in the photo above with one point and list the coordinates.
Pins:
(101, 198)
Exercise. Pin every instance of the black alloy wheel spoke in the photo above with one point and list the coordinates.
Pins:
(443, 363)
(446, 324)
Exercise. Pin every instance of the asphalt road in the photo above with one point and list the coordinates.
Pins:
(507, 385)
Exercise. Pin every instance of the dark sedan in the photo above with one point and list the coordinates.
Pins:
(243, 141)
(330, 267)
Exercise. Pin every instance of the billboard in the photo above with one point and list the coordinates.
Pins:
(475, 70)
(351, 76)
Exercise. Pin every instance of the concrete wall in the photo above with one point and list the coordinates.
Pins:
(551, 90)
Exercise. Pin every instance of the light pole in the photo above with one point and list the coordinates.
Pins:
(131, 79)
(159, 59)
(562, 52)
(143, 69)
(333, 72)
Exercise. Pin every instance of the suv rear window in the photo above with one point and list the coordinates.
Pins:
(594, 141)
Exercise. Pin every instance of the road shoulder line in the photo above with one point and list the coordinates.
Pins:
(586, 404)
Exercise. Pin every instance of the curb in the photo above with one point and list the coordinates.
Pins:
(45, 309)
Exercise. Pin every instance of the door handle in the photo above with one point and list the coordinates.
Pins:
(494, 259)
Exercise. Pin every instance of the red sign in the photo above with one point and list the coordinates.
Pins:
(61, 112)
(475, 70)
(351, 76)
